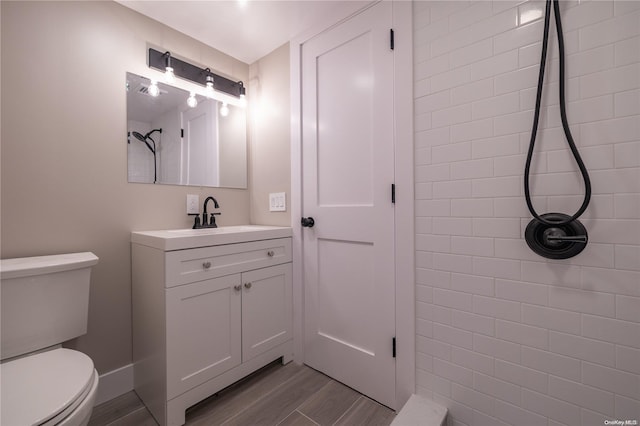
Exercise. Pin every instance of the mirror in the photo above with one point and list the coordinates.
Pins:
(171, 142)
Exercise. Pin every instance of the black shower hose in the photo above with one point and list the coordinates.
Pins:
(563, 115)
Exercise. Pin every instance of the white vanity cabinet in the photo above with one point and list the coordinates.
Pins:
(204, 317)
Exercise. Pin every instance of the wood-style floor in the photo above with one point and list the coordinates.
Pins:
(275, 395)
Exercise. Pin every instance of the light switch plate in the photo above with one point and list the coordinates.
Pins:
(277, 202)
(193, 204)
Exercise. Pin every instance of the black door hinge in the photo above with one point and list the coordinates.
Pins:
(182, 133)
(393, 193)
(391, 39)
(394, 347)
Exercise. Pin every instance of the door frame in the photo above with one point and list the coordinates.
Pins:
(404, 207)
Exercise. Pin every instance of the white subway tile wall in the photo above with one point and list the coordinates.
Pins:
(505, 337)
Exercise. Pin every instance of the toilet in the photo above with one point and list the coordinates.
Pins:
(45, 301)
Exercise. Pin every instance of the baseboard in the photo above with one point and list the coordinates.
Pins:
(114, 383)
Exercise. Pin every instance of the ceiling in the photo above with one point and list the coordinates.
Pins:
(244, 29)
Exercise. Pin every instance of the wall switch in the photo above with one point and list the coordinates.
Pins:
(193, 204)
(277, 202)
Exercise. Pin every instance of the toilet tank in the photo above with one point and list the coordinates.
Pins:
(44, 301)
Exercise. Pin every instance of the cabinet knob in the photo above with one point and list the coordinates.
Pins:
(247, 285)
(237, 287)
(271, 253)
(206, 265)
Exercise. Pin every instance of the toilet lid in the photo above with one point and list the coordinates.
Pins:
(37, 388)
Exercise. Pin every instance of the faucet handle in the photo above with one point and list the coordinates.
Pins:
(212, 220)
(196, 223)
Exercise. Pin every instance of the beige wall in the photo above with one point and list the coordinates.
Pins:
(270, 164)
(64, 152)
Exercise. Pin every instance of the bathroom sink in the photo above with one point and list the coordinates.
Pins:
(179, 239)
(219, 230)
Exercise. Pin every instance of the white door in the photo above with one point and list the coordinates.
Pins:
(200, 147)
(348, 170)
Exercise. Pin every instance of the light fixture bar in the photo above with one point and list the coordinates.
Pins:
(187, 71)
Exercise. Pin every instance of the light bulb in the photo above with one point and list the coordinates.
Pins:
(224, 109)
(154, 90)
(169, 76)
(209, 88)
(192, 101)
(243, 98)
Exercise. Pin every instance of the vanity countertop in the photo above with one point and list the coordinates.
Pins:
(180, 239)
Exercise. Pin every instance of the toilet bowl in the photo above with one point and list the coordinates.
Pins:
(45, 302)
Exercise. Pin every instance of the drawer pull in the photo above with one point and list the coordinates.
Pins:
(247, 285)
(271, 253)
(237, 287)
(206, 265)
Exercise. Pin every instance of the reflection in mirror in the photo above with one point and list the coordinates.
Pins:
(182, 138)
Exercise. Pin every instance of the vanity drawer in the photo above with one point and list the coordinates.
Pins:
(186, 266)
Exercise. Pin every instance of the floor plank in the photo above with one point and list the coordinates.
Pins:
(232, 400)
(366, 412)
(327, 405)
(139, 417)
(297, 419)
(115, 408)
(290, 395)
(277, 405)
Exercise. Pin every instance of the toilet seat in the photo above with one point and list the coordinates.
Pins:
(45, 388)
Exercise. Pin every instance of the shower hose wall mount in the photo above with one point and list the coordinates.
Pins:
(561, 241)
(555, 235)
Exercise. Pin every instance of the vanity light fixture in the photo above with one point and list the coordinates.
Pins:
(164, 60)
(192, 101)
(224, 109)
(154, 90)
(169, 76)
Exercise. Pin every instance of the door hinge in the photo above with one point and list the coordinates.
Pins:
(393, 349)
(391, 39)
(182, 133)
(393, 193)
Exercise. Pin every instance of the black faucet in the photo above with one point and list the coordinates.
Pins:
(207, 222)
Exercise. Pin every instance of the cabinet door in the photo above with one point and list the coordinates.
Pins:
(267, 308)
(203, 331)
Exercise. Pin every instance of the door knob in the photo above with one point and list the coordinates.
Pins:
(247, 285)
(307, 222)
